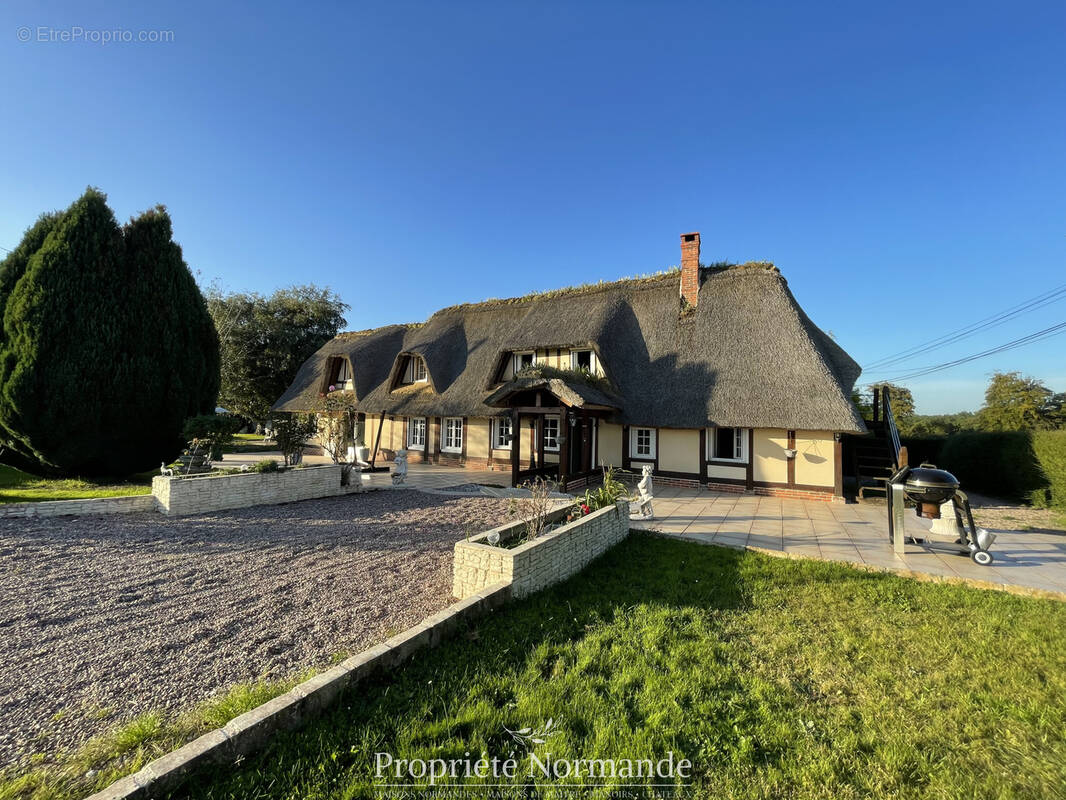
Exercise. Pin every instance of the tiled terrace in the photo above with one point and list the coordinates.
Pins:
(855, 533)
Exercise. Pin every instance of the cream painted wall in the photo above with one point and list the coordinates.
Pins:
(679, 450)
(609, 446)
(716, 471)
(814, 458)
(477, 437)
(770, 463)
(391, 432)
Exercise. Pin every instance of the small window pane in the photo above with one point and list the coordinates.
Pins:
(644, 442)
(502, 439)
(453, 434)
(551, 433)
(416, 432)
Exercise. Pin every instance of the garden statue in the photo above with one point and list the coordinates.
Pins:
(642, 509)
(399, 472)
(165, 470)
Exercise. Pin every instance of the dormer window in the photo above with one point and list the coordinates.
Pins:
(414, 370)
(524, 361)
(584, 360)
(340, 376)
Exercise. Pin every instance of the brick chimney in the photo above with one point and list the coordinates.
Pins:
(690, 268)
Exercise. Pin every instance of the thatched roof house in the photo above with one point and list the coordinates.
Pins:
(731, 349)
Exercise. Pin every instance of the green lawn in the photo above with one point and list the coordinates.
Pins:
(250, 443)
(20, 487)
(775, 677)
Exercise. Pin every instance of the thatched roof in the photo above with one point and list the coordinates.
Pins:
(572, 393)
(745, 356)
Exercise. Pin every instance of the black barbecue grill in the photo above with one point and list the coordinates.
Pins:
(927, 488)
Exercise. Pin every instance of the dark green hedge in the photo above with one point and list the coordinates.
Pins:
(997, 464)
(1050, 449)
(923, 449)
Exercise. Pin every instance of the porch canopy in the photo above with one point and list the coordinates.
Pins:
(578, 405)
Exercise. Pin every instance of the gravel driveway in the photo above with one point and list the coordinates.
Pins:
(102, 618)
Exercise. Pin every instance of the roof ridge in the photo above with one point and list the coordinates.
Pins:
(639, 282)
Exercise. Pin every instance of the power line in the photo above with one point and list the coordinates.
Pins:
(1032, 338)
(1025, 307)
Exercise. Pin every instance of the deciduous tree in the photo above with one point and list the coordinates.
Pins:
(1016, 402)
(266, 339)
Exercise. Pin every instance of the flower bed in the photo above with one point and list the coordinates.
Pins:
(200, 494)
(535, 564)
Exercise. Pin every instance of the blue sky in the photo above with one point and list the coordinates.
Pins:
(415, 155)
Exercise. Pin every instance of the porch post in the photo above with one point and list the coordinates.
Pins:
(516, 446)
(540, 442)
(566, 432)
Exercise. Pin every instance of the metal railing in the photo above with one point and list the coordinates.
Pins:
(895, 449)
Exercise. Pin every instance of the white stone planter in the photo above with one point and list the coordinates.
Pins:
(549, 559)
(197, 495)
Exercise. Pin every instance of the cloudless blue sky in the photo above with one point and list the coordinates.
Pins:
(416, 155)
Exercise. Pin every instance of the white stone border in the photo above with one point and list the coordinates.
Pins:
(123, 504)
(181, 495)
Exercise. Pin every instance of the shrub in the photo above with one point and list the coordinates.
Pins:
(1050, 449)
(106, 346)
(922, 449)
(266, 465)
(292, 432)
(216, 430)
(998, 464)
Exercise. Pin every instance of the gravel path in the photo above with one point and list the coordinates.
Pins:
(102, 618)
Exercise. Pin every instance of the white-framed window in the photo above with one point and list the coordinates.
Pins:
(727, 444)
(524, 360)
(642, 443)
(414, 370)
(342, 376)
(501, 433)
(551, 434)
(451, 435)
(416, 433)
(583, 360)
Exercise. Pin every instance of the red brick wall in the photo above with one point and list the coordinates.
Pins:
(690, 267)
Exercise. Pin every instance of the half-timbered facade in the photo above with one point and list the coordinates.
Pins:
(712, 375)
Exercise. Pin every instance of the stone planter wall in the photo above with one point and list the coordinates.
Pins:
(549, 559)
(178, 496)
(126, 504)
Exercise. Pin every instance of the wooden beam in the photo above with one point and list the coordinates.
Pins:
(703, 454)
(838, 465)
(749, 478)
(377, 441)
(566, 433)
(516, 446)
(791, 469)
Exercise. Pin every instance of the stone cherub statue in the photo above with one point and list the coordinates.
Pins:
(641, 509)
(399, 471)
